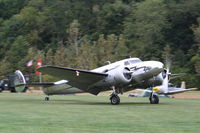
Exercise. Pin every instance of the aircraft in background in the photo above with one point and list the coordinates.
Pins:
(172, 89)
(120, 76)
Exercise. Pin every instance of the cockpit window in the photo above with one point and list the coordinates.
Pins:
(126, 63)
(131, 61)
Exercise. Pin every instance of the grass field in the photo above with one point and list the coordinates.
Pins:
(29, 113)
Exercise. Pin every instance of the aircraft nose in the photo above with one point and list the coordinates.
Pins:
(160, 64)
(157, 64)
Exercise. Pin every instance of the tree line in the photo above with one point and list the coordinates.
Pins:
(87, 33)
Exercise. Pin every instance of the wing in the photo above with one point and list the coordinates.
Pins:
(78, 78)
(180, 91)
(144, 90)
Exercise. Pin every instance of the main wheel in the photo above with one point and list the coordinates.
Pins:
(114, 99)
(154, 99)
(46, 99)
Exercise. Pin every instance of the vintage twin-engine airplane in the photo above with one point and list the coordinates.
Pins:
(120, 76)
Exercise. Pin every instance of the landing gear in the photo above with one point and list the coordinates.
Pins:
(153, 99)
(46, 99)
(114, 99)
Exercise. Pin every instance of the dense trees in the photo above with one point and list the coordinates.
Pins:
(196, 57)
(87, 33)
(146, 27)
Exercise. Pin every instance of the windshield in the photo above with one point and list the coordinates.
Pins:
(135, 61)
(132, 61)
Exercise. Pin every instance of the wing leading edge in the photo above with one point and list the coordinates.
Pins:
(180, 91)
(78, 78)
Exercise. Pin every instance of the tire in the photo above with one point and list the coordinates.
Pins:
(114, 100)
(12, 89)
(46, 99)
(154, 99)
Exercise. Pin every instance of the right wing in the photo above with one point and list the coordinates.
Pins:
(82, 79)
(179, 91)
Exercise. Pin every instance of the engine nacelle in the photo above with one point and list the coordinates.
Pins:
(119, 76)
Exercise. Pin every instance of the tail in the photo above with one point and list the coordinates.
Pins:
(183, 85)
(19, 81)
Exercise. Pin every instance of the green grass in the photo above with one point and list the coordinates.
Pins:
(29, 113)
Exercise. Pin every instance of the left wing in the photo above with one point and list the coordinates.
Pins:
(78, 78)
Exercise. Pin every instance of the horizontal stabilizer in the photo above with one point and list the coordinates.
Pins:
(43, 84)
(60, 82)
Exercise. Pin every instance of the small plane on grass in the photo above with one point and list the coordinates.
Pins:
(120, 76)
(172, 90)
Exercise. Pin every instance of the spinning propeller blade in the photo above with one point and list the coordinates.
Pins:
(166, 78)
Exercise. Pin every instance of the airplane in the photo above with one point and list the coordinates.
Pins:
(171, 87)
(120, 76)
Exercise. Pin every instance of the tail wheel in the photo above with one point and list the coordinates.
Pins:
(114, 99)
(154, 99)
(12, 89)
(46, 99)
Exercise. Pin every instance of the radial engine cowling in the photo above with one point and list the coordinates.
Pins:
(121, 75)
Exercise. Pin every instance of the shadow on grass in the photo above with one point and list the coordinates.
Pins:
(84, 102)
(75, 102)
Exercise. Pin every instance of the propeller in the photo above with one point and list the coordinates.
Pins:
(166, 76)
(165, 82)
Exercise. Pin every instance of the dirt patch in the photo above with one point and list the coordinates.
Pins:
(187, 96)
(34, 91)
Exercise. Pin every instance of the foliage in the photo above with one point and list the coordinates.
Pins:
(86, 34)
